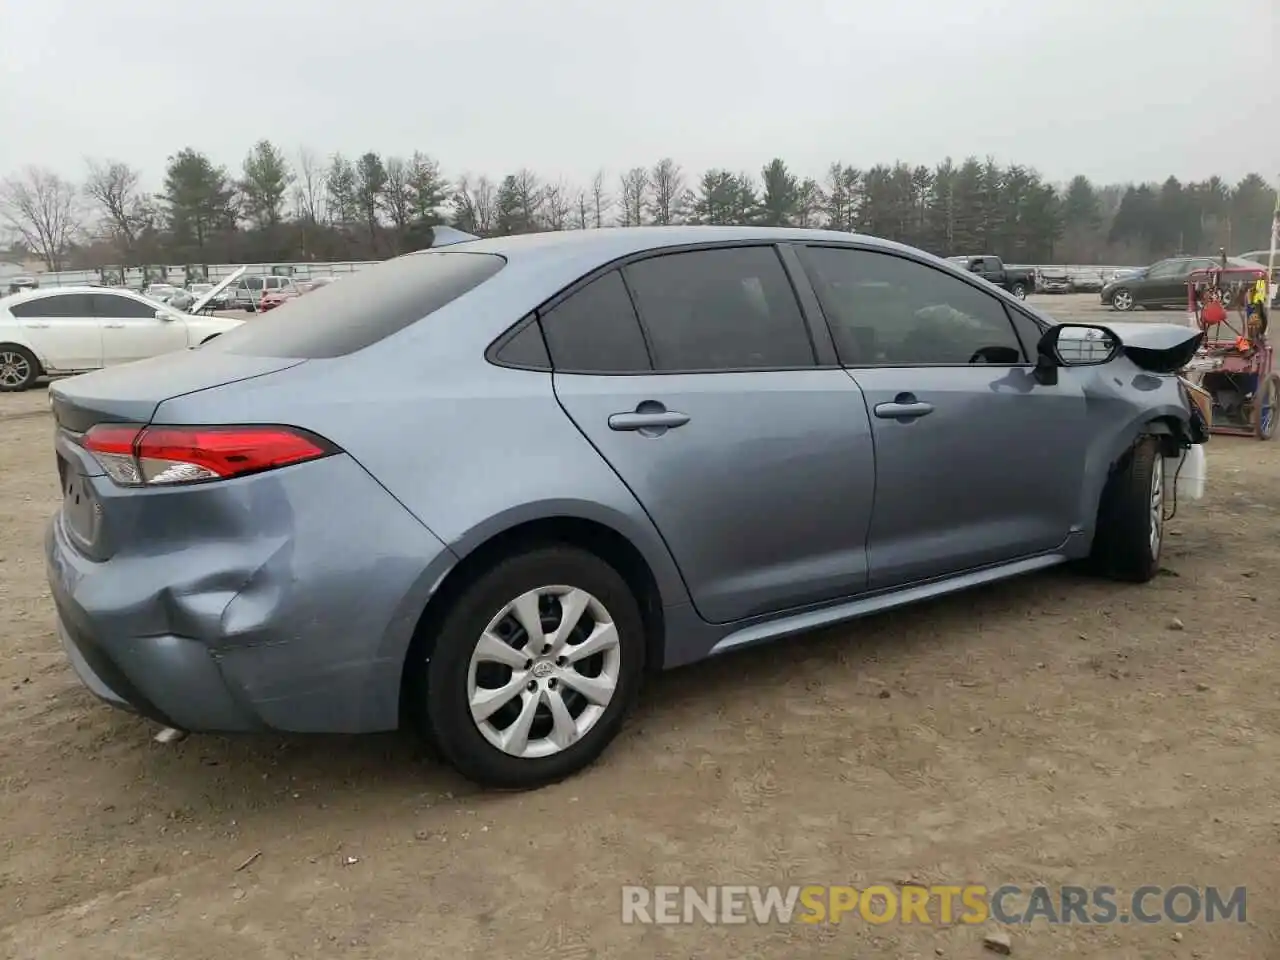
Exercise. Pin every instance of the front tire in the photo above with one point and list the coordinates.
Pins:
(1130, 531)
(19, 369)
(535, 668)
(1019, 290)
(1122, 300)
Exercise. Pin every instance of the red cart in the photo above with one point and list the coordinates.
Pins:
(1234, 364)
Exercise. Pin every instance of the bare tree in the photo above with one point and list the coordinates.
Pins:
(41, 207)
(474, 205)
(582, 211)
(113, 187)
(601, 202)
(398, 195)
(556, 206)
(634, 192)
(668, 191)
(530, 196)
(309, 188)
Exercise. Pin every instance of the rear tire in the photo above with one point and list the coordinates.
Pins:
(539, 689)
(1130, 532)
(19, 369)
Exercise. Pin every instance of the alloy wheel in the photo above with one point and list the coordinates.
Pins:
(1122, 300)
(543, 672)
(15, 369)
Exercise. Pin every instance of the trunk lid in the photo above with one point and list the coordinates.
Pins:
(130, 393)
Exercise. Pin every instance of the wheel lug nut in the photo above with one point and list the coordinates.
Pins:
(552, 683)
(533, 685)
(528, 664)
(560, 661)
(547, 648)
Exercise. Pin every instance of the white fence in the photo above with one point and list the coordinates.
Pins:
(1081, 274)
(180, 275)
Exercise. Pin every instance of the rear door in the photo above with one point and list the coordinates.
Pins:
(976, 463)
(755, 465)
(63, 330)
(131, 330)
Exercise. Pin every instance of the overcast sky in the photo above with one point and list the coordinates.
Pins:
(1115, 89)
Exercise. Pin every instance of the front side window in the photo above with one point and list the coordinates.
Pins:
(725, 309)
(886, 310)
(1169, 268)
(122, 308)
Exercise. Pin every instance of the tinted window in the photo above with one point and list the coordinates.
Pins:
(595, 330)
(108, 305)
(363, 309)
(1170, 268)
(59, 305)
(526, 349)
(251, 283)
(730, 309)
(889, 310)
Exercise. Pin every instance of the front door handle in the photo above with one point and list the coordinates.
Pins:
(657, 420)
(905, 407)
(114, 326)
(37, 326)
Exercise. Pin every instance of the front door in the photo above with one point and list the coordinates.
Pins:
(1166, 283)
(63, 330)
(131, 331)
(756, 467)
(976, 463)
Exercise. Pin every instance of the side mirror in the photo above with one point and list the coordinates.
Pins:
(1073, 345)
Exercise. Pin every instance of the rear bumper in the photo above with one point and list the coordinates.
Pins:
(171, 680)
(213, 616)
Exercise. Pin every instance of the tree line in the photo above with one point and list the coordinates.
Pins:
(309, 207)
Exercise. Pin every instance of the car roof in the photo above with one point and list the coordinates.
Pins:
(579, 251)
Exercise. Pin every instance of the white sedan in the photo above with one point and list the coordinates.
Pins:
(68, 330)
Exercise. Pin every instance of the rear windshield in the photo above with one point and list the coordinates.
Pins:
(341, 318)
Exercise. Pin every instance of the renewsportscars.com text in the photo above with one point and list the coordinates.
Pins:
(938, 904)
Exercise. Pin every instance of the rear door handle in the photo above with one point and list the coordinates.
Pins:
(114, 326)
(903, 409)
(657, 420)
(37, 326)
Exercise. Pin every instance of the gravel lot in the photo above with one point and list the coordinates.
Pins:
(1054, 729)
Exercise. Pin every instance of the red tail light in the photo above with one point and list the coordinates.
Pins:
(136, 456)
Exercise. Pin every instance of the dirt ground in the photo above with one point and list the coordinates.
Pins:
(1054, 729)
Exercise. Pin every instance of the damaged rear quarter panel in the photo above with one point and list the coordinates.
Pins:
(304, 583)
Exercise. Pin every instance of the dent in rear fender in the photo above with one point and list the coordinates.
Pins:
(316, 636)
(304, 583)
(1120, 400)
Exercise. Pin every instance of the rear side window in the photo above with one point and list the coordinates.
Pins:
(366, 307)
(727, 309)
(595, 330)
(61, 306)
